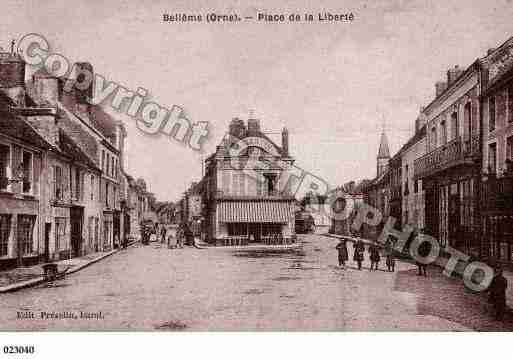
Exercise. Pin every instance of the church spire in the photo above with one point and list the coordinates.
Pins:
(383, 151)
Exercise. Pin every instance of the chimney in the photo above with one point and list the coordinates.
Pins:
(420, 120)
(453, 74)
(12, 77)
(237, 128)
(285, 142)
(490, 50)
(253, 126)
(83, 73)
(440, 86)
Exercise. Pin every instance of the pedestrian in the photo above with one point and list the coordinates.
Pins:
(171, 241)
(423, 252)
(163, 232)
(343, 255)
(390, 259)
(374, 256)
(497, 292)
(359, 248)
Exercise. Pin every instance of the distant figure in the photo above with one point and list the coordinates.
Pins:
(189, 236)
(163, 232)
(374, 257)
(343, 255)
(390, 259)
(171, 241)
(423, 251)
(497, 291)
(359, 248)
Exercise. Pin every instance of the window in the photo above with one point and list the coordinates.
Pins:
(242, 184)
(58, 183)
(467, 117)
(78, 184)
(25, 233)
(5, 230)
(492, 158)
(60, 233)
(112, 169)
(509, 148)
(491, 111)
(444, 132)
(454, 125)
(5, 159)
(107, 194)
(510, 104)
(116, 169)
(92, 188)
(107, 170)
(103, 160)
(27, 171)
(433, 138)
(270, 181)
(416, 186)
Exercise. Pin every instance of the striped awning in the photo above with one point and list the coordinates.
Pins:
(255, 211)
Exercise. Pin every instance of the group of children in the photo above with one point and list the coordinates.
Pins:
(358, 255)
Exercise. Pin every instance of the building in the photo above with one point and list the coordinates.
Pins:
(412, 191)
(450, 169)
(377, 192)
(497, 161)
(22, 151)
(246, 188)
(63, 186)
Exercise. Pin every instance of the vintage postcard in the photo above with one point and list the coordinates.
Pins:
(190, 166)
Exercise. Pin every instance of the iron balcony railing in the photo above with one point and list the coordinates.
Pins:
(458, 151)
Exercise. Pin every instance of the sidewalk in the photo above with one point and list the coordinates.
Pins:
(508, 274)
(24, 277)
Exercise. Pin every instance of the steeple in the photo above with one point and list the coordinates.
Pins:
(383, 155)
(383, 151)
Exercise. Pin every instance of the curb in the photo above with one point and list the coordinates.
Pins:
(39, 280)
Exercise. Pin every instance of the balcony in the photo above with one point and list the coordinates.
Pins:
(455, 153)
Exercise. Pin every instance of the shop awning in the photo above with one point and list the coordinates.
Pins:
(255, 211)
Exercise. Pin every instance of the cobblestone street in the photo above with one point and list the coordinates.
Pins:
(151, 287)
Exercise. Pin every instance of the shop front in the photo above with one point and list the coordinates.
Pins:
(245, 222)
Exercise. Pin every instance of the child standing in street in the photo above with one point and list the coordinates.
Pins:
(343, 255)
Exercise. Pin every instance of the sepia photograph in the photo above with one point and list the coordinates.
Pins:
(177, 166)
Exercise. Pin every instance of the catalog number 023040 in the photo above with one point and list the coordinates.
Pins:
(19, 349)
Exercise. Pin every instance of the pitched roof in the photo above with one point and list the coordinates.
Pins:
(71, 149)
(383, 151)
(16, 127)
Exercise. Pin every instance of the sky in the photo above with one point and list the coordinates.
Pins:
(334, 86)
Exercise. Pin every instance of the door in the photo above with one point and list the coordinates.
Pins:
(48, 230)
(76, 222)
(454, 222)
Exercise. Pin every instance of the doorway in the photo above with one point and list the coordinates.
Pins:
(48, 230)
(76, 223)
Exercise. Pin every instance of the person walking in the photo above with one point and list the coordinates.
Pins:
(343, 255)
(497, 294)
(163, 231)
(390, 259)
(359, 248)
(374, 256)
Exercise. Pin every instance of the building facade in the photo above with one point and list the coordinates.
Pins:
(497, 182)
(450, 169)
(247, 188)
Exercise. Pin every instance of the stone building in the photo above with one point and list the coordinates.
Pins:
(497, 125)
(62, 182)
(412, 191)
(247, 191)
(450, 169)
